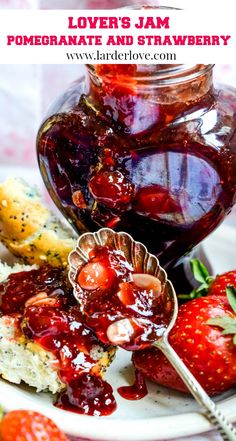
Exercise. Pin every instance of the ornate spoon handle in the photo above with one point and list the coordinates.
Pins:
(212, 412)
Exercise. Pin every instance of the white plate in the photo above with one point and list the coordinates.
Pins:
(163, 413)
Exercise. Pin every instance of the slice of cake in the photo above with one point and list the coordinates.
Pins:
(28, 229)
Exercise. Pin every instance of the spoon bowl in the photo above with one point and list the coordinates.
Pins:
(136, 254)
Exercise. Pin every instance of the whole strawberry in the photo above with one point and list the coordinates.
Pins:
(221, 282)
(209, 285)
(204, 338)
(25, 425)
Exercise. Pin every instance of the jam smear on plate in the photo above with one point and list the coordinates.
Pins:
(137, 391)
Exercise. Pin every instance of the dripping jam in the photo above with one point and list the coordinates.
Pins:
(137, 391)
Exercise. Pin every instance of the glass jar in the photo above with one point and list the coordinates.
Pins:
(146, 149)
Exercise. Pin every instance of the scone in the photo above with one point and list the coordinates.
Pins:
(43, 340)
(28, 229)
(22, 360)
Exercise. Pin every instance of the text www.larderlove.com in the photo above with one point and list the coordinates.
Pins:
(97, 56)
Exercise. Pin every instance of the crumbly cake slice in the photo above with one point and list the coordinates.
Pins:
(28, 229)
(26, 361)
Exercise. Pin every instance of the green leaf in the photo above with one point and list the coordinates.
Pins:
(190, 296)
(227, 323)
(231, 295)
(195, 293)
(229, 330)
(202, 276)
(234, 340)
(199, 271)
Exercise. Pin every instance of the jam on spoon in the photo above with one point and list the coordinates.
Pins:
(123, 308)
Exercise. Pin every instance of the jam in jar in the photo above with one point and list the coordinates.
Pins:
(146, 149)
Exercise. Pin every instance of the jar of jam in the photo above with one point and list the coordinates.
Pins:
(146, 149)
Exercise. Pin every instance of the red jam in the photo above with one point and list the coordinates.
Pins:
(116, 306)
(20, 287)
(88, 394)
(121, 307)
(137, 391)
(51, 318)
(155, 159)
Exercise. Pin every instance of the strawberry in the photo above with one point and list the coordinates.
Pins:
(204, 338)
(95, 275)
(208, 284)
(157, 202)
(221, 282)
(111, 188)
(24, 425)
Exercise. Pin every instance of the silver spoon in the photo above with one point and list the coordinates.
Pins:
(145, 263)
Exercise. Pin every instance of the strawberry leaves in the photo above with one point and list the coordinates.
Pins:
(228, 324)
(199, 271)
(202, 276)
